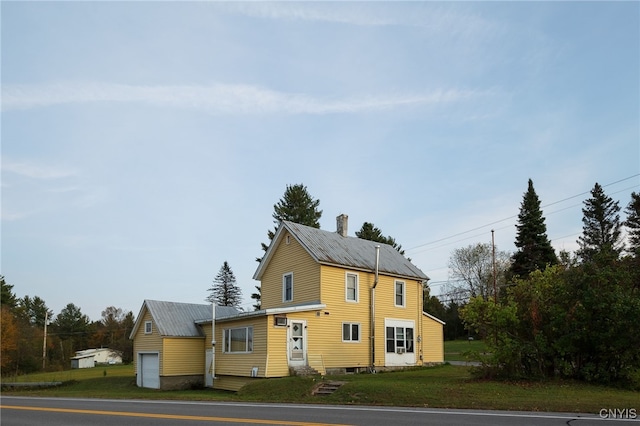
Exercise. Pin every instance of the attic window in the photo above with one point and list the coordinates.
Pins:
(288, 239)
(148, 328)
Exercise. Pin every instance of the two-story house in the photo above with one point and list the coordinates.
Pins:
(330, 303)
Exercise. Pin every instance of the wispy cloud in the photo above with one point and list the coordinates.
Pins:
(221, 99)
(452, 19)
(34, 170)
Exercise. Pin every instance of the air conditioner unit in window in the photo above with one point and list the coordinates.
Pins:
(400, 350)
(281, 321)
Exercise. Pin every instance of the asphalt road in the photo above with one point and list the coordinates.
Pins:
(22, 411)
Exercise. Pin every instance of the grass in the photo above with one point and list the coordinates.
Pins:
(443, 386)
(460, 350)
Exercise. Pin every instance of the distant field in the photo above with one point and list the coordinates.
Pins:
(454, 350)
(75, 374)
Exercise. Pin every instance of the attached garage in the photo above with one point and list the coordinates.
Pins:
(149, 368)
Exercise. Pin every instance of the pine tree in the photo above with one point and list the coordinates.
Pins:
(372, 233)
(225, 291)
(600, 238)
(633, 224)
(534, 248)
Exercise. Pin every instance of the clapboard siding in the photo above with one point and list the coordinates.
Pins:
(183, 356)
(433, 348)
(241, 364)
(290, 257)
(147, 342)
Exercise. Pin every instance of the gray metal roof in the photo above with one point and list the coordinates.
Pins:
(332, 248)
(179, 319)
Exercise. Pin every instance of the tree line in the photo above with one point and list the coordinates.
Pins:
(570, 315)
(26, 348)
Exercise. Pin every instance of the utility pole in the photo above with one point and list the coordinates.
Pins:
(493, 249)
(44, 342)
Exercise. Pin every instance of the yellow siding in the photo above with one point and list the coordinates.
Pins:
(433, 341)
(231, 383)
(241, 364)
(147, 342)
(385, 308)
(183, 356)
(291, 257)
(325, 331)
(277, 363)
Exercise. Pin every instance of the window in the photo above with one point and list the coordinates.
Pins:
(351, 287)
(399, 339)
(238, 340)
(148, 327)
(287, 287)
(350, 332)
(399, 293)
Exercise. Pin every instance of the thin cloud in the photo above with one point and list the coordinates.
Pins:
(35, 171)
(220, 99)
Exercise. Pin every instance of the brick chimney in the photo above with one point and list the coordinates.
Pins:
(342, 224)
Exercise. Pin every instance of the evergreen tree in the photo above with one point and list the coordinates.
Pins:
(296, 205)
(534, 248)
(257, 297)
(225, 291)
(600, 238)
(7, 297)
(372, 233)
(633, 224)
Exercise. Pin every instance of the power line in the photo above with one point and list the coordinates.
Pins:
(514, 216)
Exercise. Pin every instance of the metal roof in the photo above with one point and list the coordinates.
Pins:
(179, 319)
(334, 249)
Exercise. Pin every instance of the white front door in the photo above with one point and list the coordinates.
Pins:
(297, 337)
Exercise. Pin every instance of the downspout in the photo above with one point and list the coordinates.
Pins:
(213, 342)
(373, 312)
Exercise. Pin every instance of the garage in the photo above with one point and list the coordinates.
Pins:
(149, 368)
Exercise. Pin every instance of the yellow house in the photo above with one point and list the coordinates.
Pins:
(330, 304)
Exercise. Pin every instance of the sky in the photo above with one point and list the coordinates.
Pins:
(145, 143)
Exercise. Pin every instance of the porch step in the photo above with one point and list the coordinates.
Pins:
(327, 388)
(304, 370)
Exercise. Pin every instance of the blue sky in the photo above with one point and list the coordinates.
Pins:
(145, 143)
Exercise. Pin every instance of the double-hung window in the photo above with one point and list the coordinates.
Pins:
(148, 327)
(239, 340)
(350, 332)
(287, 287)
(400, 293)
(351, 287)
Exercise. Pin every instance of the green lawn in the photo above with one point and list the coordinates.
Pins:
(460, 350)
(443, 386)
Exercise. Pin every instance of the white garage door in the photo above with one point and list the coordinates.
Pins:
(149, 368)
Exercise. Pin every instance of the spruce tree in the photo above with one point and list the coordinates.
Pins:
(534, 248)
(600, 238)
(225, 291)
(633, 224)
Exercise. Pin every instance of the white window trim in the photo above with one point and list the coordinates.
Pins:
(284, 289)
(150, 327)
(404, 293)
(350, 325)
(226, 343)
(346, 287)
